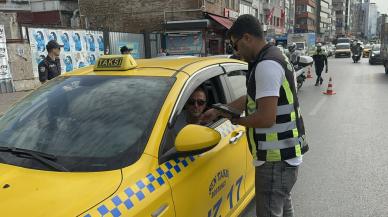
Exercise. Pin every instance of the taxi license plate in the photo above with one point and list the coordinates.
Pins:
(110, 62)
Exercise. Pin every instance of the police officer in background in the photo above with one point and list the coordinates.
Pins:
(126, 50)
(50, 67)
(320, 60)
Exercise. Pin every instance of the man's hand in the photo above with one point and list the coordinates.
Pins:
(210, 115)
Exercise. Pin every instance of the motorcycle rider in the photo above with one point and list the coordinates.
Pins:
(357, 50)
(320, 60)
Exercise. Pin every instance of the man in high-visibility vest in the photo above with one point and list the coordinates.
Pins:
(275, 128)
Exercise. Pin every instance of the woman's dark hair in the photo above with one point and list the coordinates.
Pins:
(246, 24)
(40, 33)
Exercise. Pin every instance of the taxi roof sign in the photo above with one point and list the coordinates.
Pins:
(115, 63)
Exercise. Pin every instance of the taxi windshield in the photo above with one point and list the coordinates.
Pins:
(89, 123)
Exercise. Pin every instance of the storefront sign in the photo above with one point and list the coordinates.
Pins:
(184, 43)
(231, 13)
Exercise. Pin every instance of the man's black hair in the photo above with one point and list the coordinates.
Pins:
(246, 24)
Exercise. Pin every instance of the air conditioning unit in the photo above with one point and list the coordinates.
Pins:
(20, 1)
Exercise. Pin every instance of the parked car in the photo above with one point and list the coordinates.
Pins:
(328, 50)
(343, 50)
(375, 57)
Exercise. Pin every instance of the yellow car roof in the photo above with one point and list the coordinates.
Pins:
(148, 67)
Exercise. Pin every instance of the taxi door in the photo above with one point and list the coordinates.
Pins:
(210, 184)
(236, 82)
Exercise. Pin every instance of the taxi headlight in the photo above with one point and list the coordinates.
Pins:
(373, 54)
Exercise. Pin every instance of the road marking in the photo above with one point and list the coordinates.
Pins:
(318, 106)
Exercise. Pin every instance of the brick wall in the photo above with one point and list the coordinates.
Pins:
(135, 16)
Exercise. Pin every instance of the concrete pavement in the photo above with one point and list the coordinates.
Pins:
(8, 99)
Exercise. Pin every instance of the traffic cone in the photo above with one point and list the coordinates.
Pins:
(330, 90)
(309, 72)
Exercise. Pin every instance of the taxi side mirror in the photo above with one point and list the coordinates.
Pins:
(196, 138)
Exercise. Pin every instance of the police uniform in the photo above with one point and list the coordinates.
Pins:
(49, 69)
(320, 59)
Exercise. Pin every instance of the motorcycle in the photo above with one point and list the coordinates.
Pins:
(356, 57)
(301, 67)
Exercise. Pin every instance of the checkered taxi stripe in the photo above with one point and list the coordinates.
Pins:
(126, 200)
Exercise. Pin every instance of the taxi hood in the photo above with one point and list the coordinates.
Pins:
(28, 192)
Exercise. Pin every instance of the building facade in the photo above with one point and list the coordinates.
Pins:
(195, 27)
(324, 20)
(358, 19)
(275, 17)
(371, 16)
(339, 6)
(289, 7)
(305, 16)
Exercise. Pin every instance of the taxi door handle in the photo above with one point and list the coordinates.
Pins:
(237, 137)
(159, 211)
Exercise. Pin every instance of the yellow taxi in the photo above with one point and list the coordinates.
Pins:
(101, 141)
(366, 51)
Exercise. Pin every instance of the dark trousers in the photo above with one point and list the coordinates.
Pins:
(274, 182)
(318, 71)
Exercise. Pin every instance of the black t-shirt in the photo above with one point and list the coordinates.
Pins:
(49, 69)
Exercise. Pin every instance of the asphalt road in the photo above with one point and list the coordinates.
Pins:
(345, 173)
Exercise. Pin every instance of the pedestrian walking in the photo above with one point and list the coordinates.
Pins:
(273, 122)
(50, 67)
(320, 60)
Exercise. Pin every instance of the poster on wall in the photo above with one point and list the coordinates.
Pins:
(5, 72)
(80, 48)
(184, 44)
(2, 34)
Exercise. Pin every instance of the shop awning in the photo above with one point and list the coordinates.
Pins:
(223, 21)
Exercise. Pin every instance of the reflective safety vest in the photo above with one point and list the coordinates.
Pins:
(285, 139)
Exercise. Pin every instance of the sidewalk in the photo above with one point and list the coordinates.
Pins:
(8, 99)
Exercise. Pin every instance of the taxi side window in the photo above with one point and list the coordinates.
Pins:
(214, 93)
(237, 80)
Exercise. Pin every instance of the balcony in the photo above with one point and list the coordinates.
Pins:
(326, 10)
(312, 3)
(42, 6)
(305, 28)
(325, 20)
(11, 6)
(305, 15)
